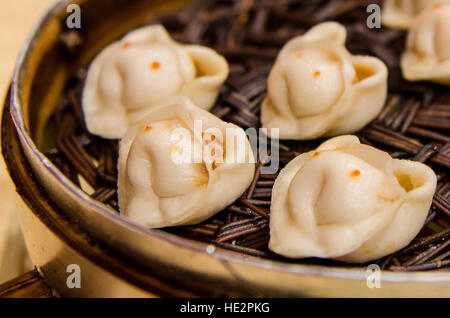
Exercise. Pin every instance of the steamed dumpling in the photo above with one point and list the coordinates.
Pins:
(180, 165)
(349, 202)
(401, 13)
(144, 69)
(317, 88)
(427, 55)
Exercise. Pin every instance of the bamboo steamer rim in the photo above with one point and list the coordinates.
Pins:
(33, 155)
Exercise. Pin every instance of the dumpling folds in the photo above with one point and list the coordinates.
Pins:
(349, 202)
(180, 165)
(427, 55)
(317, 88)
(144, 69)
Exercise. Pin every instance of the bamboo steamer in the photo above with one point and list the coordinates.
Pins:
(118, 258)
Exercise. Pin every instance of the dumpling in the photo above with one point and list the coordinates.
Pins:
(401, 13)
(349, 202)
(317, 88)
(427, 55)
(132, 76)
(180, 165)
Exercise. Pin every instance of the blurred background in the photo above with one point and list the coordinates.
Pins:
(16, 21)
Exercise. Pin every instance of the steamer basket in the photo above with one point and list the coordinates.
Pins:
(117, 257)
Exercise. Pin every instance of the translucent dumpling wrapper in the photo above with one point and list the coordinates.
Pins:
(147, 67)
(401, 13)
(180, 165)
(427, 55)
(317, 88)
(349, 202)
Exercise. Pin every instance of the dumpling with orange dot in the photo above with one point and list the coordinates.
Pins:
(317, 88)
(144, 69)
(180, 165)
(427, 55)
(348, 201)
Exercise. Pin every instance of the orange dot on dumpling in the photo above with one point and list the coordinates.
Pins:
(355, 173)
(155, 65)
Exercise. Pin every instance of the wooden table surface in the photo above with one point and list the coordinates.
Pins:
(16, 21)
